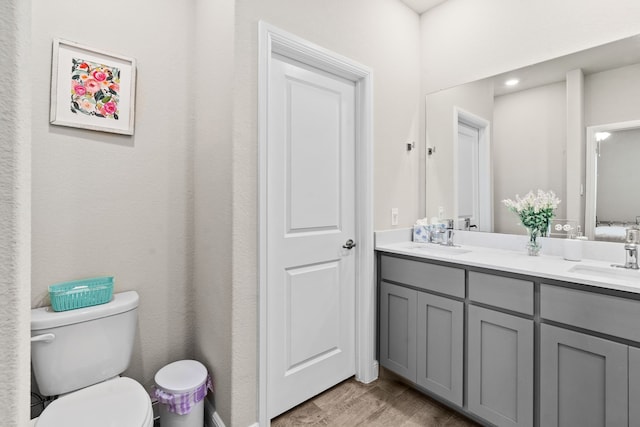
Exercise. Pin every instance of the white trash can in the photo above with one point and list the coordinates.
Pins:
(180, 389)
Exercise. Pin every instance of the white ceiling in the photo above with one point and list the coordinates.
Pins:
(421, 6)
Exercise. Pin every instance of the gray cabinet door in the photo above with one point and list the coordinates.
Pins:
(398, 307)
(500, 367)
(634, 387)
(583, 380)
(440, 343)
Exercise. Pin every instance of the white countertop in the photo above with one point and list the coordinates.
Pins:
(518, 261)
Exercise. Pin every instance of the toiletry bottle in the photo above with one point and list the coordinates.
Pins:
(573, 246)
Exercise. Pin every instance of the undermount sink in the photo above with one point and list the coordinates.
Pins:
(607, 272)
(437, 249)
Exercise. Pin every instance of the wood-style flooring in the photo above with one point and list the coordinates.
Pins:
(386, 402)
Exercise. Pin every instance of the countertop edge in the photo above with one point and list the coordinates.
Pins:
(543, 266)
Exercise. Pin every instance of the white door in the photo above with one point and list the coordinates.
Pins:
(310, 217)
(468, 179)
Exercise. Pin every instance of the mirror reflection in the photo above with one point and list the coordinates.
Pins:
(526, 130)
(613, 153)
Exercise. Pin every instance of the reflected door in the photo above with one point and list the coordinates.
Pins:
(472, 170)
(468, 176)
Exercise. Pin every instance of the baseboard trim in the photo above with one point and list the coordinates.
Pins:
(211, 417)
(217, 421)
(374, 372)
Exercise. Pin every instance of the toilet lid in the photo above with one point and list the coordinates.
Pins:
(120, 402)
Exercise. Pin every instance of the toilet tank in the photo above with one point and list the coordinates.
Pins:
(74, 349)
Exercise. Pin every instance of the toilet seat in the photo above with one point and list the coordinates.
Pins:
(118, 402)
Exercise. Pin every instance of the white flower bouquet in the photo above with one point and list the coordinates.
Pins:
(535, 212)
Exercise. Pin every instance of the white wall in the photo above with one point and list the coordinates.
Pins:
(132, 195)
(213, 240)
(468, 40)
(109, 204)
(612, 96)
(529, 133)
(575, 162)
(15, 169)
(382, 34)
(106, 204)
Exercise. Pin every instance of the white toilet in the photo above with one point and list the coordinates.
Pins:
(79, 355)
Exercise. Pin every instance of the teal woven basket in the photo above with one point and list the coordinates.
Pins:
(81, 293)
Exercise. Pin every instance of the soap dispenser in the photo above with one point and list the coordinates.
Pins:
(573, 246)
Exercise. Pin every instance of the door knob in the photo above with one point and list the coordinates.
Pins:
(350, 244)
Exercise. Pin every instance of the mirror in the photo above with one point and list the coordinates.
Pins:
(528, 136)
(613, 179)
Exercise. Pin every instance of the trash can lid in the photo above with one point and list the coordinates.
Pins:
(181, 376)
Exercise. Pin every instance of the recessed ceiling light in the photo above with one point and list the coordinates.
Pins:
(512, 82)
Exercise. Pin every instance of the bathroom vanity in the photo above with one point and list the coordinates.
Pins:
(512, 340)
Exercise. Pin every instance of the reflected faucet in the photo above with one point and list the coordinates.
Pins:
(468, 226)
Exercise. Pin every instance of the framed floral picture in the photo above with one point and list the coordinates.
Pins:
(92, 89)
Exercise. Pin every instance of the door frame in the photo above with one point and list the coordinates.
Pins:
(485, 187)
(273, 40)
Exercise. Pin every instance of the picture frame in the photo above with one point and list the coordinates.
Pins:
(92, 89)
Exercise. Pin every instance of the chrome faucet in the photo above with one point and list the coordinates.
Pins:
(631, 247)
(448, 233)
(632, 256)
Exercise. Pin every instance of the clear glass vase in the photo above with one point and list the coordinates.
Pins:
(533, 245)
